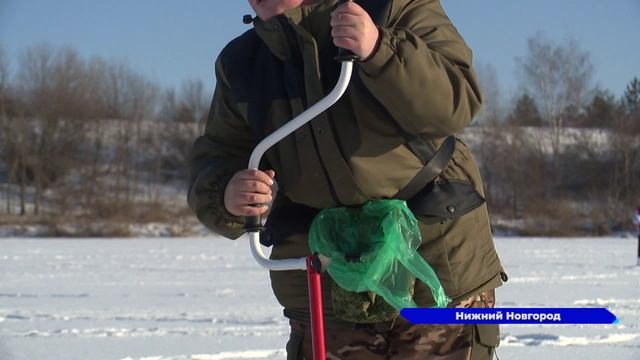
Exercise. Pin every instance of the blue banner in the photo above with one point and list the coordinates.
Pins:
(509, 316)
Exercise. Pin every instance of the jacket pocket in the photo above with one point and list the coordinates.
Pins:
(448, 199)
(361, 307)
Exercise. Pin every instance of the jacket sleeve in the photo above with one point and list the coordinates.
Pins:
(421, 71)
(223, 150)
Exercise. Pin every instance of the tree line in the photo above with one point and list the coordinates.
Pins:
(88, 139)
(564, 156)
(92, 139)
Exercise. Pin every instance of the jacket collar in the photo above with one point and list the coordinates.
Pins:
(309, 23)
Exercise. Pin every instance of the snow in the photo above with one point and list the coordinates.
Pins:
(256, 354)
(143, 230)
(204, 298)
(598, 140)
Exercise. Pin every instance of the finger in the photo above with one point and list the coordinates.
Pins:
(256, 175)
(271, 173)
(345, 19)
(346, 32)
(252, 186)
(252, 210)
(355, 23)
(252, 198)
(238, 204)
(350, 8)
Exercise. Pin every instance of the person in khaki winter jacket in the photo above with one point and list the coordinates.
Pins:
(412, 89)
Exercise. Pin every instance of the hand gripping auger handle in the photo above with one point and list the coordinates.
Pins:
(253, 223)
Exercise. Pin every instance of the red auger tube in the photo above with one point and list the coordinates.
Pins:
(315, 307)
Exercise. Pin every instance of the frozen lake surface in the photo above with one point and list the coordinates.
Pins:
(175, 299)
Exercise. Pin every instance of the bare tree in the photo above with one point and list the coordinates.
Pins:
(97, 70)
(557, 77)
(184, 117)
(491, 107)
(53, 85)
(142, 96)
(129, 100)
(4, 125)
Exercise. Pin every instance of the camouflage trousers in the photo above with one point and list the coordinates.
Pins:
(402, 340)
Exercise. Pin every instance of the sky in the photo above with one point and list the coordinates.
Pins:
(174, 40)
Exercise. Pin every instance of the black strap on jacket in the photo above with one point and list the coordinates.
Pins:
(430, 171)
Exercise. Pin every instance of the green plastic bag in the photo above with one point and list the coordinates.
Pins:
(373, 248)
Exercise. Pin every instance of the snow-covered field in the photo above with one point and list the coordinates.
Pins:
(161, 299)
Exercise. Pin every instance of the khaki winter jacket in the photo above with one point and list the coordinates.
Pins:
(419, 82)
